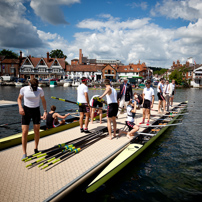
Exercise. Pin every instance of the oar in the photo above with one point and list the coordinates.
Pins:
(169, 114)
(60, 154)
(154, 126)
(64, 100)
(156, 119)
(73, 152)
(62, 145)
(59, 147)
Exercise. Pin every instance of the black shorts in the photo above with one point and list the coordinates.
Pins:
(160, 96)
(96, 103)
(173, 92)
(112, 110)
(31, 113)
(84, 108)
(130, 125)
(147, 104)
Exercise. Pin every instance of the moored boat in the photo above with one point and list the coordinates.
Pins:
(136, 146)
(53, 83)
(75, 83)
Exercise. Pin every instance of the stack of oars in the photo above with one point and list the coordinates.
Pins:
(65, 150)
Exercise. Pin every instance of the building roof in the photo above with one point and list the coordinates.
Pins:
(10, 61)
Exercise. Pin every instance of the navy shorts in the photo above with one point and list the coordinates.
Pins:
(147, 104)
(96, 103)
(130, 125)
(31, 113)
(112, 110)
(160, 96)
(84, 108)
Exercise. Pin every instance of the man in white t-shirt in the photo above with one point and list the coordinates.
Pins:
(148, 101)
(82, 98)
(160, 95)
(31, 110)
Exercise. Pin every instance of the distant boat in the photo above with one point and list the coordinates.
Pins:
(75, 83)
(53, 83)
(19, 84)
(67, 82)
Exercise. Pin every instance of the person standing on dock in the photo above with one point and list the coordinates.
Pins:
(94, 103)
(125, 95)
(148, 101)
(173, 92)
(31, 110)
(112, 108)
(167, 93)
(84, 108)
(160, 95)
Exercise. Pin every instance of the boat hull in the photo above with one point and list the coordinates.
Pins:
(124, 158)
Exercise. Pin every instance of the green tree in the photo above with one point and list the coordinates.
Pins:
(177, 76)
(57, 54)
(9, 54)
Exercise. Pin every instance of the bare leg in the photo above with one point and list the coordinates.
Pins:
(87, 119)
(92, 114)
(25, 129)
(36, 135)
(81, 119)
(114, 125)
(100, 111)
(131, 133)
(148, 113)
(109, 127)
(159, 106)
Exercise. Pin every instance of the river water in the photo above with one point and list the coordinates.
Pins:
(169, 170)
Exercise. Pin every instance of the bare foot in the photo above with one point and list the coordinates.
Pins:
(129, 137)
(101, 122)
(110, 138)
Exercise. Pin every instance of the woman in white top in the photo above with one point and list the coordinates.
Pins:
(112, 109)
(160, 95)
(31, 110)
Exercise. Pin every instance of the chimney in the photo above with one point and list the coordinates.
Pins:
(47, 56)
(20, 54)
(80, 56)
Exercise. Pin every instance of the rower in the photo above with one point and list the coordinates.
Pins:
(131, 110)
(94, 103)
(52, 118)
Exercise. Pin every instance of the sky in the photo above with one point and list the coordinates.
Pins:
(156, 32)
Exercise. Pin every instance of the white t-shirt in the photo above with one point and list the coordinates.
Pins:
(31, 98)
(173, 86)
(80, 93)
(112, 98)
(148, 93)
(129, 114)
(161, 86)
(91, 101)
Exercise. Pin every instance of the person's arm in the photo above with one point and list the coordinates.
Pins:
(44, 107)
(143, 97)
(134, 109)
(60, 116)
(152, 101)
(86, 96)
(21, 110)
(160, 88)
(105, 93)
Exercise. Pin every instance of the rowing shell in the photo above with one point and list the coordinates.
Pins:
(125, 157)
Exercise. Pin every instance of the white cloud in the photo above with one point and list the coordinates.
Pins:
(50, 11)
(15, 30)
(142, 5)
(189, 10)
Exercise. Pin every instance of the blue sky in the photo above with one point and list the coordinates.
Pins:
(154, 32)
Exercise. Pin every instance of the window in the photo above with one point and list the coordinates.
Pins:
(41, 70)
(55, 70)
(112, 71)
(105, 71)
(189, 73)
(131, 68)
(138, 68)
(109, 71)
(12, 70)
(125, 69)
